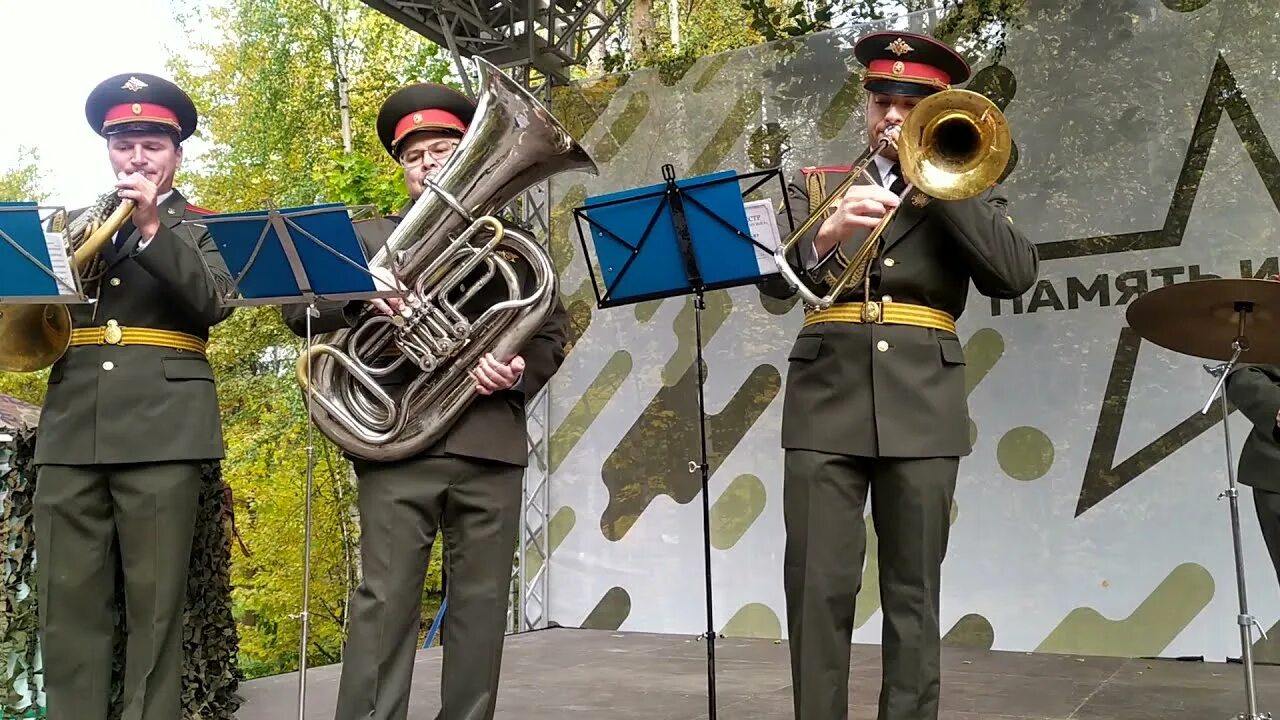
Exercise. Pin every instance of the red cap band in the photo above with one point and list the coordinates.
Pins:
(903, 71)
(141, 112)
(428, 119)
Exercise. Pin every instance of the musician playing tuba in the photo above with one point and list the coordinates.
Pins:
(130, 415)
(466, 487)
(875, 396)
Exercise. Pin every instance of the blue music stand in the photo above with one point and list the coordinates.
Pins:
(283, 256)
(644, 237)
(31, 262)
(680, 237)
(287, 256)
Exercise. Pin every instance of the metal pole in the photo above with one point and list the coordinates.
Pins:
(306, 542)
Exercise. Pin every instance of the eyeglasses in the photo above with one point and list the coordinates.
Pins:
(439, 151)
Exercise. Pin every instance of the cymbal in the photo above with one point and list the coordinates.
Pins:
(1200, 318)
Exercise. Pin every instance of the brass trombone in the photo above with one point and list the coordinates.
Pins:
(953, 145)
(35, 336)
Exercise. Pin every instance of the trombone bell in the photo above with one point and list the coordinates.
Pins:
(955, 144)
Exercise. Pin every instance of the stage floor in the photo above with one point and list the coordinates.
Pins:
(564, 673)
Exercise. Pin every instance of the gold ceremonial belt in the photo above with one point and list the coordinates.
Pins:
(113, 334)
(878, 313)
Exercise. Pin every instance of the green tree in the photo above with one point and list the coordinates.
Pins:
(975, 26)
(24, 180)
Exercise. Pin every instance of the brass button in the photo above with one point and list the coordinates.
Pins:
(108, 365)
(882, 346)
(115, 282)
(888, 262)
(887, 298)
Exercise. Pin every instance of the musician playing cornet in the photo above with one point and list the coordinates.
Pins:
(466, 489)
(875, 399)
(131, 415)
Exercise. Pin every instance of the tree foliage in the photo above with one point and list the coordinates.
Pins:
(978, 27)
(707, 27)
(270, 89)
(24, 181)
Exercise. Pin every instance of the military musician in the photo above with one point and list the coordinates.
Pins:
(875, 398)
(131, 414)
(466, 489)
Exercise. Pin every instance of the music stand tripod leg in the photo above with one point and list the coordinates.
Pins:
(1232, 493)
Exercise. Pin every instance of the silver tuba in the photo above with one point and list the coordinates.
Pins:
(451, 235)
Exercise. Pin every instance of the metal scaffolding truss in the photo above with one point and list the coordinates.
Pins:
(536, 40)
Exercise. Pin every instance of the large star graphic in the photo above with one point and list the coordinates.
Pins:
(1102, 475)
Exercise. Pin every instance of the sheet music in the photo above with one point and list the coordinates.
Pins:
(764, 229)
(60, 263)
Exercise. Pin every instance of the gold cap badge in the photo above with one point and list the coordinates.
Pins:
(899, 47)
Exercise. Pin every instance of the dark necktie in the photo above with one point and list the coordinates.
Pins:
(123, 235)
(899, 184)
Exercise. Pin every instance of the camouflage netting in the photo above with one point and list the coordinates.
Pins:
(211, 676)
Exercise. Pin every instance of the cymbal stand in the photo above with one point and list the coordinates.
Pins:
(1246, 621)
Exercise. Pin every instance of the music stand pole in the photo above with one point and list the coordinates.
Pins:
(684, 240)
(306, 538)
(694, 280)
(299, 292)
(702, 466)
(1232, 493)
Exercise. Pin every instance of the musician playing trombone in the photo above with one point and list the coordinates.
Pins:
(875, 399)
(465, 489)
(130, 417)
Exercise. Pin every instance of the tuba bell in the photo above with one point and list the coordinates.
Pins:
(34, 336)
(953, 145)
(450, 236)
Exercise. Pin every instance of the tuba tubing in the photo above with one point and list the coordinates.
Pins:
(449, 235)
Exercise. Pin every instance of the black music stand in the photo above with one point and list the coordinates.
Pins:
(277, 257)
(37, 268)
(694, 235)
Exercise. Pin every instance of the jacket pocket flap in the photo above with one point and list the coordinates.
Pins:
(806, 347)
(192, 368)
(952, 350)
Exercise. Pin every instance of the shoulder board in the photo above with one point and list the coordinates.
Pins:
(826, 169)
(198, 210)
